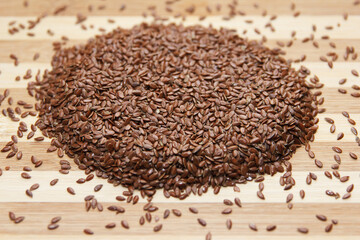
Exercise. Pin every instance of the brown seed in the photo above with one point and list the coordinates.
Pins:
(125, 224)
(237, 202)
(176, 212)
(110, 225)
(289, 197)
(228, 224)
(318, 163)
(342, 81)
(302, 194)
(346, 195)
(253, 226)
(321, 217)
(208, 236)
(54, 181)
(354, 131)
(53, 226)
(55, 219)
(260, 195)
(328, 174)
(192, 209)
(345, 114)
(34, 187)
(39, 139)
(311, 154)
(29, 193)
(19, 219)
(337, 149)
(88, 231)
(353, 155)
(98, 187)
(337, 158)
(270, 228)
(25, 175)
(157, 227)
(344, 178)
(303, 230)
(351, 121)
(340, 136)
(228, 202)
(354, 72)
(350, 188)
(142, 220)
(328, 228)
(120, 198)
(332, 128)
(202, 222)
(329, 120)
(71, 190)
(227, 211)
(12, 216)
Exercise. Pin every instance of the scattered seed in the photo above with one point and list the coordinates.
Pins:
(253, 226)
(55, 219)
(202, 222)
(227, 211)
(53, 226)
(88, 231)
(158, 227)
(110, 225)
(54, 181)
(321, 217)
(71, 190)
(125, 224)
(346, 195)
(237, 201)
(228, 224)
(302, 194)
(98, 187)
(328, 228)
(303, 230)
(192, 209)
(270, 228)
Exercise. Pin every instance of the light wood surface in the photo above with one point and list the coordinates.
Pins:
(50, 201)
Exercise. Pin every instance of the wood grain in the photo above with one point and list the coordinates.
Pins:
(50, 201)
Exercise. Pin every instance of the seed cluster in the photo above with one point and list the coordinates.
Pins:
(168, 106)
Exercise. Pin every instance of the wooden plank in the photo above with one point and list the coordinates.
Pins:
(136, 7)
(281, 24)
(25, 50)
(74, 220)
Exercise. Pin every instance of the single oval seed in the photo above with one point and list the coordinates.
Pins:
(328, 228)
(125, 224)
(88, 231)
(228, 224)
(303, 230)
(353, 155)
(53, 226)
(193, 210)
(253, 226)
(321, 217)
(110, 225)
(350, 188)
(71, 190)
(227, 211)
(270, 228)
(158, 227)
(202, 222)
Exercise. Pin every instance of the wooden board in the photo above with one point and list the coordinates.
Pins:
(49, 202)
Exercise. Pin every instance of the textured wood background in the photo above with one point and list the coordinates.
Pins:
(55, 201)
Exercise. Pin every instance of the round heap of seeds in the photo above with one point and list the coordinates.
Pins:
(174, 107)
